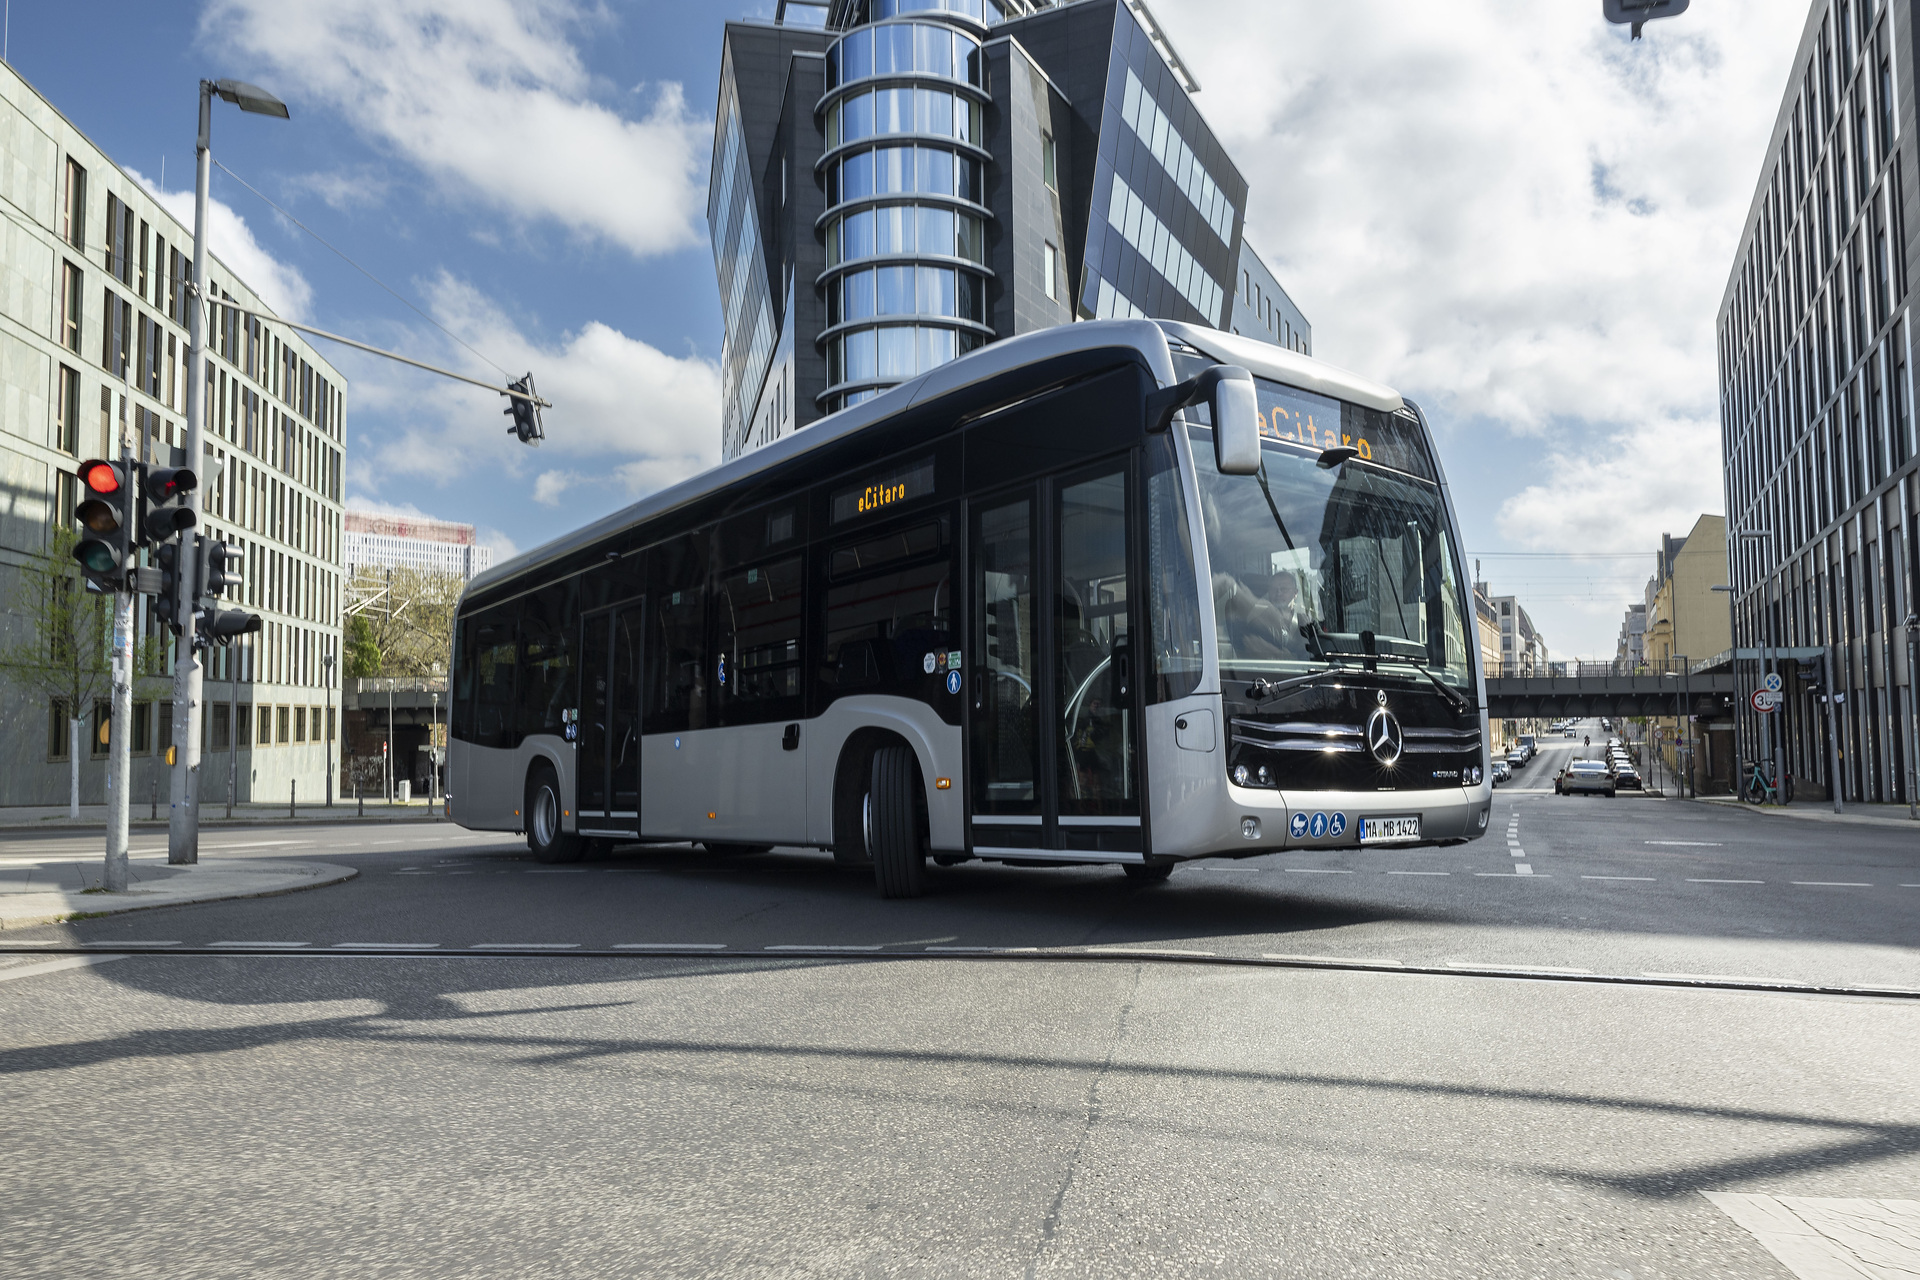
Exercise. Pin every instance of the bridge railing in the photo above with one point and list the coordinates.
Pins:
(1575, 670)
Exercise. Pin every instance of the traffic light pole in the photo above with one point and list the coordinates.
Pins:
(120, 719)
(183, 822)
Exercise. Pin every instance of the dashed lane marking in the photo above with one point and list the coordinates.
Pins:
(1515, 968)
(117, 946)
(1522, 869)
(1690, 844)
(1833, 884)
(814, 946)
(1419, 873)
(1318, 871)
(1646, 878)
(1510, 875)
(669, 946)
(283, 945)
(1145, 951)
(986, 951)
(1704, 881)
(1721, 977)
(385, 946)
(524, 946)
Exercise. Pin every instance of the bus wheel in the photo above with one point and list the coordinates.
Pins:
(890, 818)
(545, 836)
(1147, 872)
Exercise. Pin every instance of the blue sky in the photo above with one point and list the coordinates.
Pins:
(1503, 208)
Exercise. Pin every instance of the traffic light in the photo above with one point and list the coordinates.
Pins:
(166, 559)
(525, 413)
(218, 568)
(160, 489)
(1638, 13)
(221, 626)
(103, 517)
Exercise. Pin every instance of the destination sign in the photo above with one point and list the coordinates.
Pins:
(901, 484)
(1307, 418)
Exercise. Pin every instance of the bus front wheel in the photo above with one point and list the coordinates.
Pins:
(546, 836)
(890, 817)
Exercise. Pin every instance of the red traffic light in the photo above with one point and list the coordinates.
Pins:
(100, 476)
(164, 484)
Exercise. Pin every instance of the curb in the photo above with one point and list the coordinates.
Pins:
(322, 875)
(59, 825)
(1853, 819)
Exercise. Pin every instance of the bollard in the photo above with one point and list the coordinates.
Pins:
(293, 796)
(153, 799)
(359, 802)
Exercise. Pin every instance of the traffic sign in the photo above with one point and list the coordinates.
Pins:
(1772, 682)
(1765, 700)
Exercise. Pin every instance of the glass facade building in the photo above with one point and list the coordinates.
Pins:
(909, 179)
(1816, 410)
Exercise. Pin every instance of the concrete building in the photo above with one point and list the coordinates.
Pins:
(1816, 400)
(375, 540)
(1523, 650)
(93, 357)
(1687, 618)
(917, 177)
(1630, 650)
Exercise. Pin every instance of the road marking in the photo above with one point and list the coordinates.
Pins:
(36, 942)
(669, 946)
(1515, 968)
(814, 946)
(1646, 878)
(1386, 964)
(1522, 869)
(1883, 986)
(1690, 844)
(1834, 884)
(118, 945)
(1706, 977)
(985, 950)
(285, 945)
(1910, 886)
(1318, 871)
(1690, 880)
(385, 946)
(256, 844)
(1144, 951)
(1510, 875)
(1419, 873)
(1828, 1238)
(523, 946)
(54, 966)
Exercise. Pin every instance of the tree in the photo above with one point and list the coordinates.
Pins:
(363, 652)
(408, 620)
(61, 645)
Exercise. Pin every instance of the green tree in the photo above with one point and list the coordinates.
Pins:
(363, 651)
(408, 617)
(60, 643)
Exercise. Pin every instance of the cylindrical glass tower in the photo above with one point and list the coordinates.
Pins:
(905, 169)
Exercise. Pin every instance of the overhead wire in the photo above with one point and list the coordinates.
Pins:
(363, 271)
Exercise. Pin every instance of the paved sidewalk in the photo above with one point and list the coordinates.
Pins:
(93, 817)
(1873, 815)
(39, 890)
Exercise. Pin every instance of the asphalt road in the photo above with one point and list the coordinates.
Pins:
(908, 1111)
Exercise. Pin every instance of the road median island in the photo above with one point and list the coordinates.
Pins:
(76, 897)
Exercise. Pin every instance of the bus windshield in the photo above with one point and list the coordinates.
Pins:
(1348, 564)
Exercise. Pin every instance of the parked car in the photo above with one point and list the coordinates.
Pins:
(1528, 744)
(1627, 776)
(1586, 776)
(1516, 759)
(1502, 772)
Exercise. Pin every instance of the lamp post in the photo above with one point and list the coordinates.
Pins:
(388, 753)
(1775, 746)
(1912, 624)
(183, 822)
(1682, 754)
(327, 660)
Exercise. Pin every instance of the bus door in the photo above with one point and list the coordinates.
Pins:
(608, 760)
(1054, 713)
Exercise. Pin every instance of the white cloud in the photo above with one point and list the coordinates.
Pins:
(1518, 217)
(231, 240)
(489, 97)
(627, 418)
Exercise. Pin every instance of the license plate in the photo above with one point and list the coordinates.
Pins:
(1387, 830)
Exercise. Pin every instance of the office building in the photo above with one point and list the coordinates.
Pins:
(94, 302)
(377, 541)
(909, 179)
(1523, 650)
(1630, 649)
(1816, 405)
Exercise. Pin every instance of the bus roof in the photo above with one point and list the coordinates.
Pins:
(1148, 337)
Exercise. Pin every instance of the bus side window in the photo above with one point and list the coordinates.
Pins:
(496, 662)
(674, 648)
(548, 620)
(757, 621)
(889, 613)
(460, 708)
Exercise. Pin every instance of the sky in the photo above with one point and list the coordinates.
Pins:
(1508, 210)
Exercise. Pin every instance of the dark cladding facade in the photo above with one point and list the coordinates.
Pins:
(1817, 426)
(919, 177)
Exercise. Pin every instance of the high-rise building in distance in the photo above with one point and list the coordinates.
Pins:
(914, 178)
(377, 540)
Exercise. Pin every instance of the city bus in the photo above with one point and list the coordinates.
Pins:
(1125, 592)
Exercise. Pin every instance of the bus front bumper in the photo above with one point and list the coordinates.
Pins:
(1347, 819)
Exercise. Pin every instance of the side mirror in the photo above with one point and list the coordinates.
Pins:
(1236, 419)
(1227, 391)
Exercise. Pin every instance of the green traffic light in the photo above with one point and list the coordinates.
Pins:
(96, 557)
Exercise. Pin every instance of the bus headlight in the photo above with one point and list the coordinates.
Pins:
(1242, 775)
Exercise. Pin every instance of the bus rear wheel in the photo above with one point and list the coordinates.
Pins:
(891, 822)
(546, 836)
(1147, 872)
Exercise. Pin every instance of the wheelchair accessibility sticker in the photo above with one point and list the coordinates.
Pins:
(1320, 826)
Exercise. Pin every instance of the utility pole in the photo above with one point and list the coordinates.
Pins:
(119, 748)
(327, 661)
(183, 824)
(1833, 734)
(1912, 625)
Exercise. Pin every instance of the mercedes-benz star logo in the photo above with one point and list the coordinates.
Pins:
(1384, 738)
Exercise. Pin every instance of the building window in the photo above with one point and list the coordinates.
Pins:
(71, 281)
(66, 426)
(265, 738)
(286, 718)
(299, 724)
(102, 727)
(140, 742)
(73, 224)
(1053, 271)
(64, 488)
(221, 725)
(57, 732)
(243, 724)
(1049, 170)
(117, 318)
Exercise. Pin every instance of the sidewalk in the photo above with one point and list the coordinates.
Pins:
(1872, 815)
(93, 817)
(49, 890)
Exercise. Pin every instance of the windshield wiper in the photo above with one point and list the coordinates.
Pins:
(1454, 700)
(1262, 689)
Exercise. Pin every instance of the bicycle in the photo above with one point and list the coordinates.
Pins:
(1760, 788)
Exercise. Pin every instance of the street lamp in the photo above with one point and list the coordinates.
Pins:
(183, 824)
(1682, 724)
(1775, 745)
(327, 660)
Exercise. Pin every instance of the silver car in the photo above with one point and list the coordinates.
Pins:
(1590, 777)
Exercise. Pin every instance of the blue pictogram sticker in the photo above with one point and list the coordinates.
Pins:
(953, 682)
(1297, 825)
(1318, 827)
(1338, 827)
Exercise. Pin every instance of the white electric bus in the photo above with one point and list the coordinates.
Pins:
(1125, 592)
